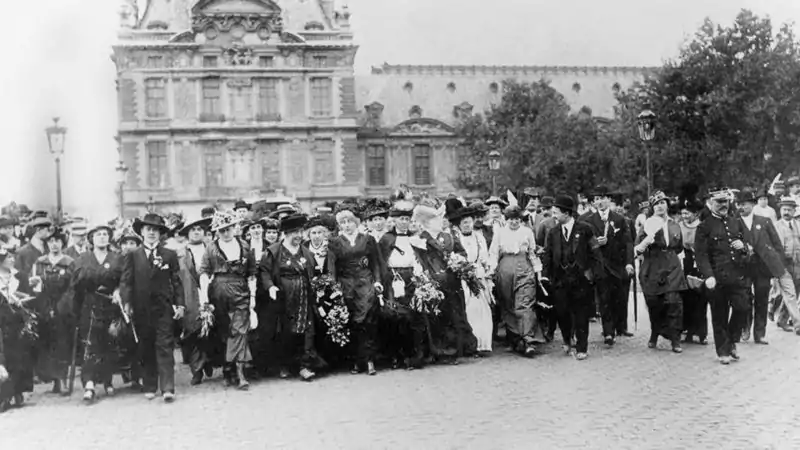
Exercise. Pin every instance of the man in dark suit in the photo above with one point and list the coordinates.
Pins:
(765, 264)
(152, 294)
(616, 248)
(570, 262)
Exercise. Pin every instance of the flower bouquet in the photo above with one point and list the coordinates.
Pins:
(325, 284)
(30, 321)
(336, 319)
(427, 295)
(465, 271)
(206, 318)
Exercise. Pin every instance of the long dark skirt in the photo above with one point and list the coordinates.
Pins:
(231, 295)
(100, 356)
(695, 313)
(666, 316)
(451, 333)
(53, 348)
(18, 350)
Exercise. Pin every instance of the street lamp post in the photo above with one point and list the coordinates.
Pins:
(646, 122)
(494, 167)
(56, 136)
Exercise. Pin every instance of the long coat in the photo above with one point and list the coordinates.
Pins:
(190, 280)
(767, 248)
(661, 270)
(618, 251)
(150, 290)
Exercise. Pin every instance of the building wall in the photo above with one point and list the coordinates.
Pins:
(395, 126)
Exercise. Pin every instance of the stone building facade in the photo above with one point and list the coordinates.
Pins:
(222, 98)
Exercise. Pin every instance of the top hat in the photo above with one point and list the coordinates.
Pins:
(151, 219)
(204, 223)
(293, 222)
(565, 202)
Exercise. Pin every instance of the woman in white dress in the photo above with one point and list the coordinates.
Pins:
(479, 311)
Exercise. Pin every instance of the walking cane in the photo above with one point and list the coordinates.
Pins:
(72, 370)
(635, 301)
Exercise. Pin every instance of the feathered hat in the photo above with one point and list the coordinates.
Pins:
(223, 220)
(513, 210)
(403, 205)
(376, 207)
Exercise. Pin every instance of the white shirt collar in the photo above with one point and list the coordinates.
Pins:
(568, 227)
(748, 220)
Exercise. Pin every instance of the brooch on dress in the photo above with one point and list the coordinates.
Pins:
(107, 265)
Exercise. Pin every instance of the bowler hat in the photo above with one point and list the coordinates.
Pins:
(241, 204)
(547, 202)
(565, 202)
(293, 222)
(151, 219)
(746, 195)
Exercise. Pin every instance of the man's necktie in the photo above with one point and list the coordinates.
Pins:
(151, 255)
(566, 234)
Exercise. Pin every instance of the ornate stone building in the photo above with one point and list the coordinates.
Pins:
(220, 98)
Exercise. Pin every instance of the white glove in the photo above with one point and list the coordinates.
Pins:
(3, 373)
(273, 292)
(711, 283)
(253, 319)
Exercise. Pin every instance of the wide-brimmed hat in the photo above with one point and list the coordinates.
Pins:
(402, 208)
(293, 222)
(40, 222)
(495, 200)
(101, 226)
(282, 209)
(79, 228)
(787, 201)
(453, 208)
(151, 219)
(479, 207)
(547, 202)
(565, 202)
(207, 212)
(325, 221)
(204, 223)
(222, 220)
(241, 204)
(129, 235)
(644, 205)
(513, 212)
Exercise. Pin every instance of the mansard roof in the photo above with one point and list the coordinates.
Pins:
(439, 92)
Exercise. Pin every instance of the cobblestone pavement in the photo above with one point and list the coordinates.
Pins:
(628, 397)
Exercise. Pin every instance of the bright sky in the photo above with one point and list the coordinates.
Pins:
(57, 64)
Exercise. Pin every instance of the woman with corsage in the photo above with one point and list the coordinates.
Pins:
(228, 282)
(662, 279)
(50, 278)
(355, 262)
(450, 335)
(95, 286)
(286, 271)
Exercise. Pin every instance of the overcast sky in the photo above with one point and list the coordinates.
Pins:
(56, 62)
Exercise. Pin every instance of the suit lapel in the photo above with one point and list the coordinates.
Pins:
(574, 236)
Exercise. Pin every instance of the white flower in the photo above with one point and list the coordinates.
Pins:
(758, 227)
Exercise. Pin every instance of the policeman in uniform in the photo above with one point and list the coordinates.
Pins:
(723, 256)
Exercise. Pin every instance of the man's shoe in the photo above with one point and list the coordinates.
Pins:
(197, 378)
(609, 340)
(724, 360)
(652, 344)
(734, 354)
(150, 395)
(761, 341)
(169, 397)
(581, 356)
(208, 370)
(306, 374)
(676, 347)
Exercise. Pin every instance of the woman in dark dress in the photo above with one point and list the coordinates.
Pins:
(354, 261)
(286, 271)
(228, 281)
(95, 285)
(51, 277)
(661, 276)
(16, 365)
(450, 333)
(319, 230)
(695, 300)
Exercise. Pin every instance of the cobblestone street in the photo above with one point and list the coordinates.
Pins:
(627, 397)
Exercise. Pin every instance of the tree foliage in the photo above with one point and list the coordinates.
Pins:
(728, 110)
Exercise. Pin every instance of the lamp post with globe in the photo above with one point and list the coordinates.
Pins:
(56, 135)
(646, 122)
(494, 167)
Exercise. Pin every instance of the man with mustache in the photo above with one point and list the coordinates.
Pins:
(723, 257)
(786, 304)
